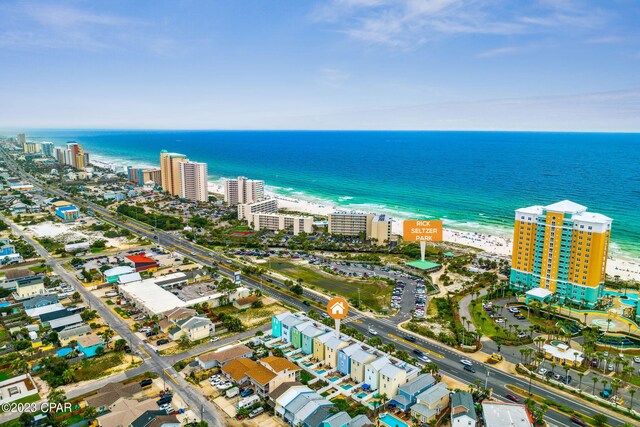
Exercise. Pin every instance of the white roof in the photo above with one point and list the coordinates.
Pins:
(592, 217)
(379, 363)
(390, 370)
(64, 321)
(531, 210)
(566, 206)
(116, 271)
(39, 311)
(288, 396)
(539, 292)
(560, 352)
(499, 414)
(155, 298)
(129, 278)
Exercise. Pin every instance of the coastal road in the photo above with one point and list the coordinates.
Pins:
(445, 357)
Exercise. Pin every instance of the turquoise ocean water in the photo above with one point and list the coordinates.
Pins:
(472, 180)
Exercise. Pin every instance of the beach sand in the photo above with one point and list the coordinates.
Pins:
(498, 246)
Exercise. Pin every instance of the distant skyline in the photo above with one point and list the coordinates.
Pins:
(548, 65)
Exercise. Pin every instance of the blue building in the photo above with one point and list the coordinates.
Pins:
(68, 213)
(408, 392)
(344, 358)
(89, 345)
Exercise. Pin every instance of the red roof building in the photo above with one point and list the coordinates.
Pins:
(142, 263)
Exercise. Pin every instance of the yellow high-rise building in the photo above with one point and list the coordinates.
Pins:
(170, 171)
(561, 249)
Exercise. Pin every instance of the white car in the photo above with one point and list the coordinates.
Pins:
(522, 335)
(373, 331)
(225, 386)
(214, 339)
(543, 371)
(636, 359)
(500, 320)
(466, 362)
(514, 310)
(424, 358)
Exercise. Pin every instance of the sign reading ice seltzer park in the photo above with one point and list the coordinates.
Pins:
(422, 230)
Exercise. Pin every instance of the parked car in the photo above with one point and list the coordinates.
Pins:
(164, 399)
(214, 339)
(256, 412)
(543, 371)
(162, 341)
(246, 392)
(578, 421)
(145, 383)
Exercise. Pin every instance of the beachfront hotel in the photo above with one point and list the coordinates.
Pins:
(264, 214)
(170, 171)
(73, 155)
(560, 252)
(243, 191)
(193, 181)
(140, 176)
(353, 223)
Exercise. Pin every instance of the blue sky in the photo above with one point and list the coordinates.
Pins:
(566, 65)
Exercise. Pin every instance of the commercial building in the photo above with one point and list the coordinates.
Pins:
(193, 181)
(246, 211)
(22, 138)
(500, 414)
(46, 148)
(170, 171)
(68, 213)
(77, 247)
(140, 176)
(350, 224)
(142, 263)
(31, 147)
(295, 224)
(243, 190)
(561, 248)
(113, 274)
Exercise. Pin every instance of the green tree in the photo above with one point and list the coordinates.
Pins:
(600, 420)
(75, 297)
(297, 289)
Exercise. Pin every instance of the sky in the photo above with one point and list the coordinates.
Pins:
(552, 65)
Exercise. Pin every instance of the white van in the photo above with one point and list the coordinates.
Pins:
(256, 412)
(232, 392)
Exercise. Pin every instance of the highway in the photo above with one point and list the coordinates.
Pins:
(445, 357)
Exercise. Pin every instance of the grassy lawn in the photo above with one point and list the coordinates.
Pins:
(253, 317)
(4, 335)
(28, 399)
(374, 294)
(97, 367)
(491, 329)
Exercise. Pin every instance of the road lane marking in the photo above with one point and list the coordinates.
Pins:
(170, 377)
(143, 350)
(409, 343)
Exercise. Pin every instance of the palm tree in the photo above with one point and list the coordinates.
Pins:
(632, 392)
(615, 384)
(106, 335)
(595, 381)
(580, 375)
(604, 382)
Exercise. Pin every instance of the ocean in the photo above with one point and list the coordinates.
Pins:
(472, 180)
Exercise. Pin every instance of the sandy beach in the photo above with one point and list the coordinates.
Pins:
(493, 245)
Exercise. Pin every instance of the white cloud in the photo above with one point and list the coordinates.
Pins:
(500, 51)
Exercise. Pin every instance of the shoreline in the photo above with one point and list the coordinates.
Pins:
(625, 265)
(627, 269)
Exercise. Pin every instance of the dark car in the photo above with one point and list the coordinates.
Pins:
(162, 341)
(307, 303)
(409, 338)
(246, 392)
(151, 334)
(146, 383)
(127, 349)
(165, 399)
(470, 369)
(512, 398)
(418, 352)
(578, 421)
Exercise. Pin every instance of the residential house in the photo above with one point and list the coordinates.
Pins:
(499, 414)
(372, 372)
(179, 313)
(463, 412)
(359, 360)
(6, 248)
(223, 355)
(40, 301)
(288, 324)
(156, 418)
(296, 333)
(286, 370)
(18, 209)
(73, 332)
(430, 403)
(29, 288)
(280, 390)
(110, 394)
(42, 310)
(16, 388)
(65, 322)
(125, 411)
(89, 345)
(344, 358)
(265, 375)
(276, 324)
(194, 328)
(245, 303)
(318, 345)
(331, 349)
(287, 397)
(308, 334)
(408, 392)
(391, 378)
(295, 409)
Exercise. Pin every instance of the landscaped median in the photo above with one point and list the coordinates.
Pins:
(590, 398)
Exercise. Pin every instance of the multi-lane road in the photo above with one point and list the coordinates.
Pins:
(445, 357)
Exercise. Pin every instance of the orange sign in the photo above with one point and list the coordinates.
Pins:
(422, 230)
(337, 308)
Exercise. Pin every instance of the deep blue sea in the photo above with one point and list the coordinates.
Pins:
(473, 180)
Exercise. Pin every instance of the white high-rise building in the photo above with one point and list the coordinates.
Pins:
(46, 148)
(193, 181)
(243, 191)
(22, 138)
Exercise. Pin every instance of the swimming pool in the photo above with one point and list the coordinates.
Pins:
(346, 386)
(361, 395)
(321, 371)
(391, 421)
(64, 351)
(631, 298)
(333, 379)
